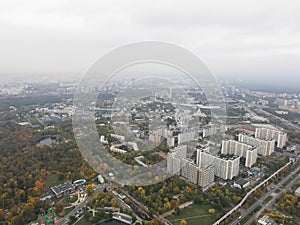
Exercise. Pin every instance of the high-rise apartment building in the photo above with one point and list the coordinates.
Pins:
(178, 164)
(269, 134)
(264, 147)
(189, 171)
(232, 147)
(224, 167)
(186, 137)
(206, 176)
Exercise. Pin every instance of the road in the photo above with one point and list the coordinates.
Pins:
(263, 198)
(65, 219)
(144, 209)
(248, 194)
(277, 195)
(294, 126)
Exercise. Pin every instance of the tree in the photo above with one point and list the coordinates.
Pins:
(89, 189)
(72, 219)
(177, 211)
(183, 222)
(211, 211)
(59, 207)
(1, 214)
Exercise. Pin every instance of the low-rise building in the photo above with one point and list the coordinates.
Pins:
(266, 220)
(100, 179)
(118, 137)
(47, 195)
(297, 192)
(242, 183)
(64, 189)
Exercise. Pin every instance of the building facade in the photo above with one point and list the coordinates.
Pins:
(264, 147)
(232, 147)
(186, 168)
(269, 134)
(189, 171)
(224, 167)
(206, 176)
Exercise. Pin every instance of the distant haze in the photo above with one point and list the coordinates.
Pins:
(250, 41)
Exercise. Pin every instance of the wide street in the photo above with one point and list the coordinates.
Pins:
(265, 196)
(294, 126)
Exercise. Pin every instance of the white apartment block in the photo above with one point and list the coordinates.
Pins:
(225, 168)
(118, 150)
(170, 141)
(269, 134)
(164, 132)
(204, 159)
(118, 137)
(174, 161)
(186, 137)
(180, 151)
(213, 129)
(206, 176)
(209, 130)
(156, 139)
(264, 147)
(173, 165)
(133, 145)
(189, 171)
(232, 147)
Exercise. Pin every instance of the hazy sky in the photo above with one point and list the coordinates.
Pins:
(258, 39)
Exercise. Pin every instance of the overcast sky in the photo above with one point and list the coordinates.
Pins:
(255, 39)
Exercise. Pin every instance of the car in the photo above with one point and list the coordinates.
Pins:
(240, 217)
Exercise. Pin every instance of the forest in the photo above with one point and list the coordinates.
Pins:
(25, 167)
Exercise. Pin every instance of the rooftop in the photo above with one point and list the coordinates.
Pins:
(62, 187)
(241, 182)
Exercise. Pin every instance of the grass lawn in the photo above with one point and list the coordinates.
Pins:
(195, 215)
(83, 221)
(71, 199)
(33, 120)
(245, 220)
(66, 211)
(53, 180)
(267, 199)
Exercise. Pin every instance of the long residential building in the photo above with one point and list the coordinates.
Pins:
(232, 147)
(269, 134)
(224, 167)
(186, 137)
(264, 147)
(186, 168)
